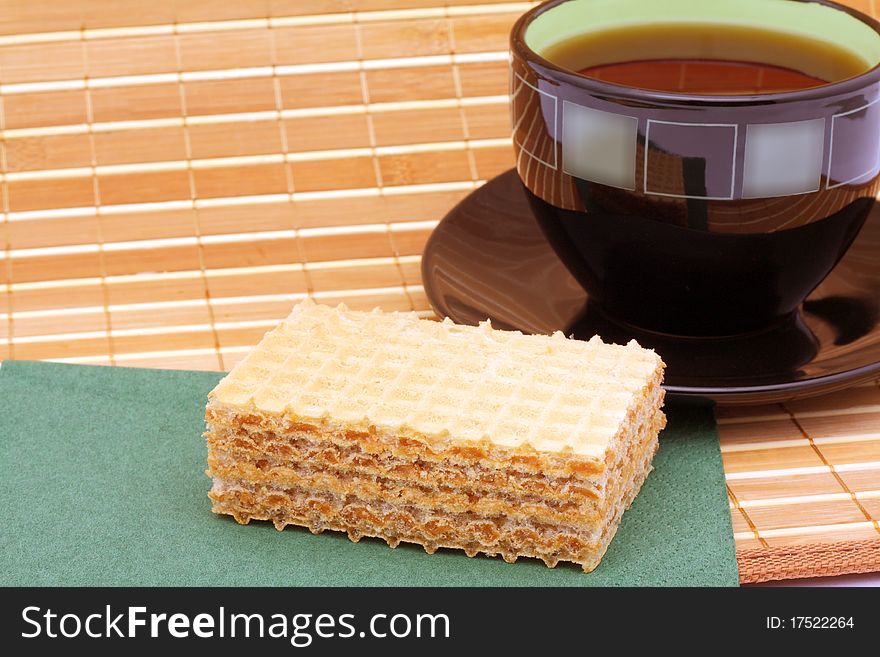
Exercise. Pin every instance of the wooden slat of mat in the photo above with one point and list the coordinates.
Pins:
(804, 480)
(175, 176)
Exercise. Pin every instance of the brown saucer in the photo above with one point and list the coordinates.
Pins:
(489, 258)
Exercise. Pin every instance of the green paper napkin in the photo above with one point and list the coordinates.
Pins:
(102, 475)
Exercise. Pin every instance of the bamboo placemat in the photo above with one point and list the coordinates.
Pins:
(176, 174)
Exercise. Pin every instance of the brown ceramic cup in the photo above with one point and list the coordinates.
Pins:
(696, 215)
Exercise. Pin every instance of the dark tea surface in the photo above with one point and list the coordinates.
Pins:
(706, 59)
(706, 76)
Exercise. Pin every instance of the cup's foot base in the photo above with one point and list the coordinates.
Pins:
(784, 346)
(596, 314)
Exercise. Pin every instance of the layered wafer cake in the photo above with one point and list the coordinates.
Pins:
(387, 425)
